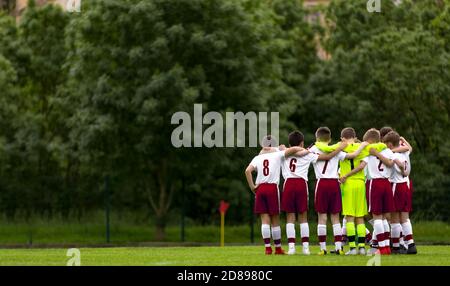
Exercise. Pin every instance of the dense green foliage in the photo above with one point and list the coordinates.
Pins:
(89, 96)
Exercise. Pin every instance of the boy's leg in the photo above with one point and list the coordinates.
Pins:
(361, 231)
(378, 232)
(351, 233)
(276, 233)
(395, 232)
(387, 231)
(360, 213)
(290, 232)
(304, 231)
(344, 230)
(337, 232)
(348, 210)
(322, 233)
(265, 232)
(407, 231)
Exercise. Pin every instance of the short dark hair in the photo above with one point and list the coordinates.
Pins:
(372, 133)
(385, 130)
(392, 137)
(296, 138)
(323, 134)
(348, 133)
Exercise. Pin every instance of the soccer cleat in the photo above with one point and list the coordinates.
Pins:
(398, 250)
(352, 251)
(279, 251)
(306, 251)
(291, 251)
(339, 252)
(362, 251)
(403, 247)
(412, 249)
(268, 250)
(322, 252)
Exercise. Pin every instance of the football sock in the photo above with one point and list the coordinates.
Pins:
(276, 235)
(290, 232)
(407, 232)
(387, 232)
(265, 231)
(304, 232)
(395, 234)
(361, 230)
(322, 234)
(351, 233)
(337, 232)
(378, 232)
(402, 241)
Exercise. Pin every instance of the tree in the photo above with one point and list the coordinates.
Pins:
(35, 48)
(396, 78)
(136, 63)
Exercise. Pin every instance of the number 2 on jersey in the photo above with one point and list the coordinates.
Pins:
(266, 167)
(380, 166)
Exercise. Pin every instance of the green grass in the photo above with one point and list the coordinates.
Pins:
(123, 232)
(215, 256)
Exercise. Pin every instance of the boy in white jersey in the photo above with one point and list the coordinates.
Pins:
(402, 197)
(327, 195)
(267, 197)
(379, 196)
(406, 148)
(295, 191)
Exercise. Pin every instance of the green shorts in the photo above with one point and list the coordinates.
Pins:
(354, 198)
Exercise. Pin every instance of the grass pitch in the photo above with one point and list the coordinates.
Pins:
(214, 256)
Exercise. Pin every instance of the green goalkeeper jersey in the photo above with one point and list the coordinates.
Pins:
(349, 164)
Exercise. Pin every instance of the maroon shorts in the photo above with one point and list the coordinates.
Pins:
(380, 198)
(402, 197)
(267, 200)
(295, 196)
(327, 196)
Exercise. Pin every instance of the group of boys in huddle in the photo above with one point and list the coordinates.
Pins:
(354, 178)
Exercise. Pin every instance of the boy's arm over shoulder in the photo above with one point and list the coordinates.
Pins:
(360, 167)
(403, 148)
(386, 157)
(358, 151)
(328, 156)
(324, 147)
(291, 151)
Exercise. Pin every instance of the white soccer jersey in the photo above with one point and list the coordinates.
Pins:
(327, 169)
(268, 167)
(396, 176)
(297, 167)
(375, 167)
